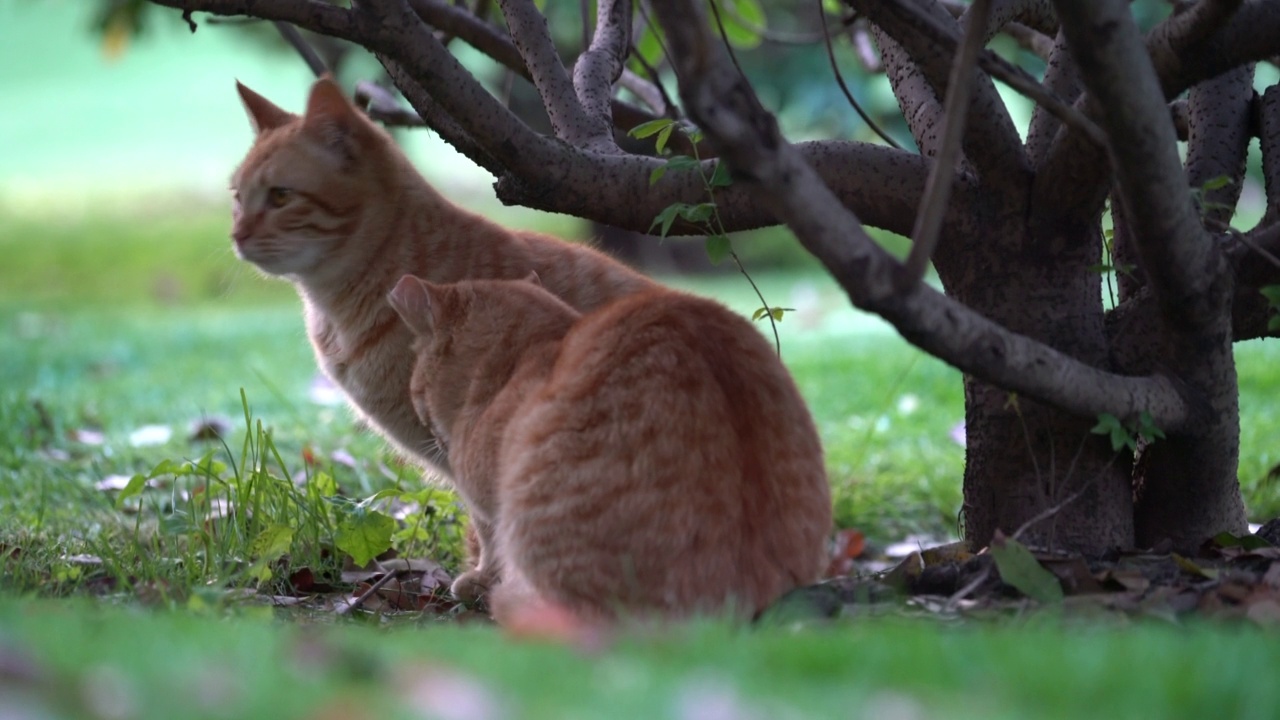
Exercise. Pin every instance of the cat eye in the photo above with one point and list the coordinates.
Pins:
(277, 197)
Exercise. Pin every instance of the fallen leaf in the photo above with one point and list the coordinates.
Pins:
(1191, 568)
(1019, 568)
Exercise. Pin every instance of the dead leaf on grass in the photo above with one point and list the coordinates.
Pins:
(1019, 568)
(208, 429)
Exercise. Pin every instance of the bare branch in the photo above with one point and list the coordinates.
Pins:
(728, 111)
(929, 39)
(648, 93)
(599, 67)
(844, 88)
(1269, 141)
(381, 105)
(572, 123)
(1180, 261)
(1219, 141)
(937, 193)
(308, 53)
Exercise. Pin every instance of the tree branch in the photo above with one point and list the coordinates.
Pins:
(883, 184)
(1180, 261)
(749, 140)
(929, 39)
(924, 237)
(572, 123)
(599, 67)
(1269, 142)
(1219, 141)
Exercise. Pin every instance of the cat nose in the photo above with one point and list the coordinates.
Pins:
(240, 233)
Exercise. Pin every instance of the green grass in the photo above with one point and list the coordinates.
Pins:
(90, 660)
(115, 321)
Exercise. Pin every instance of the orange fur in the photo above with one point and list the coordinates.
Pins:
(651, 456)
(327, 200)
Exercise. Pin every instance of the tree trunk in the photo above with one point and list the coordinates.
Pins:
(1023, 457)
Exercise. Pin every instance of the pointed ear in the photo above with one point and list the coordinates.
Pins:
(263, 114)
(532, 277)
(331, 118)
(411, 299)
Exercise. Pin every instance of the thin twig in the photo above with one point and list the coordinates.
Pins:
(724, 36)
(954, 600)
(937, 193)
(768, 311)
(299, 43)
(835, 68)
(1265, 253)
(375, 587)
(1013, 76)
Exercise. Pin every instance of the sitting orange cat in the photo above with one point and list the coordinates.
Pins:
(651, 456)
(328, 201)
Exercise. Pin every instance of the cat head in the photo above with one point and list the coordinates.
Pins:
(469, 337)
(303, 187)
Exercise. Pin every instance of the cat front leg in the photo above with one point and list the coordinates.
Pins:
(474, 584)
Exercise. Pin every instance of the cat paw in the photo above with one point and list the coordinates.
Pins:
(471, 586)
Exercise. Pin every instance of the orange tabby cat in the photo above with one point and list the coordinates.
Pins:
(328, 201)
(651, 456)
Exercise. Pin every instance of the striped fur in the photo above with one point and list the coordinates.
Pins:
(327, 200)
(651, 456)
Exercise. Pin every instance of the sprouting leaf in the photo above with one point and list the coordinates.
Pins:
(694, 135)
(271, 543)
(1109, 424)
(135, 486)
(777, 313)
(698, 213)
(682, 162)
(1147, 429)
(365, 534)
(653, 127)
(665, 218)
(718, 248)
(759, 313)
(1019, 568)
(1217, 183)
(720, 176)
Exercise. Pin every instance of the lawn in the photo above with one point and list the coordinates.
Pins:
(118, 324)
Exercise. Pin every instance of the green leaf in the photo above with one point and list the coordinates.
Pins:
(653, 127)
(1248, 542)
(718, 248)
(777, 313)
(1147, 429)
(667, 217)
(663, 137)
(720, 176)
(324, 484)
(1273, 324)
(699, 213)
(268, 547)
(657, 174)
(1217, 183)
(742, 33)
(682, 162)
(135, 486)
(1272, 294)
(1019, 568)
(365, 534)
(1109, 424)
(761, 312)
(1101, 268)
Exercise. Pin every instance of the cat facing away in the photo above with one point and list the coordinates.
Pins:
(326, 200)
(652, 456)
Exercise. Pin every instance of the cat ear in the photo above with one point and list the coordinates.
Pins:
(532, 277)
(263, 114)
(331, 118)
(411, 299)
